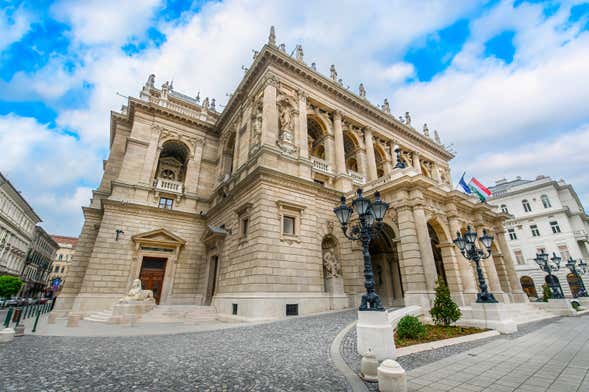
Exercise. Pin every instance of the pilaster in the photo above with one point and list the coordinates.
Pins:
(371, 160)
(270, 112)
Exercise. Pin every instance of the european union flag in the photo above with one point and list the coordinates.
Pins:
(464, 185)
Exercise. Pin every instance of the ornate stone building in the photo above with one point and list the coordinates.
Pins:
(62, 260)
(235, 209)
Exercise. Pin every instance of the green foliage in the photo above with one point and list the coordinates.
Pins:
(410, 327)
(9, 285)
(445, 311)
(546, 293)
(575, 305)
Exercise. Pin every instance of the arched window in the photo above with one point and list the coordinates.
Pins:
(528, 286)
(315, 137)
(546, 201)
(504, 209)
(526, 205)
(350, 148)
(379, 158)
(172, 161)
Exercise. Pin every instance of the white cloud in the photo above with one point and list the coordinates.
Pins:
(14, 24)
(105, 21)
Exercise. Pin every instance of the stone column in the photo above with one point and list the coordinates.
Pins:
(270, 112)
(151, 157)
(235, 159)
(193, 169)
(386, 165)
(416, 162)
(425, 247)
(338, 135)
(466, 272)
(453, 272)
(517, 294)
(492, 278)
(371, 160)
(330, 151)
(302, 137)
(361, 158)
(387, 280)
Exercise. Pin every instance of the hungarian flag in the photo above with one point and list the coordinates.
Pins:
(479, 189)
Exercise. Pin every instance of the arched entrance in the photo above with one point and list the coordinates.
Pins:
(554, 284)
(528, 286)
(575, 284)
(385, 264)
(438, 259)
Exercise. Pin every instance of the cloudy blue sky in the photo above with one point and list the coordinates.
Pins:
(507, 82)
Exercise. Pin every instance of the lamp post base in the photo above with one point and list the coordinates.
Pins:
(486, 298)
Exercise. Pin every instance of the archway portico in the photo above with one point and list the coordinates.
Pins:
(386, 268)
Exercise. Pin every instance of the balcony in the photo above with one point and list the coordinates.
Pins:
(357, 178)
(168, 186)
(320, 165)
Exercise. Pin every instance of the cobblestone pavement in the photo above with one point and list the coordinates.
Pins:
(551, 355)
(289, 355)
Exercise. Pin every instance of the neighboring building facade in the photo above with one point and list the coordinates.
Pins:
(62, 260)
(546, 215)
(38, 263)
(17, 227)
(235, 209)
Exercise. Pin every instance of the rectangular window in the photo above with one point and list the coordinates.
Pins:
(535, 231)
(244, 226)
(519, 257)
(288, 225)
(234, 309)
(166, 203)
(292, 309)
(564, 252)
(512, 234)
(555, 227)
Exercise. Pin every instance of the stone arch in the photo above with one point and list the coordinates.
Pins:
(379, 157)
(439, 239)
(548, 279)
(386, 266)
(350, 151)
(528, 286)
(172, 161)
(316, 135)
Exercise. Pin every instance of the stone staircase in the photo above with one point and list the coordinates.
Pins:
(178, 314)
(523, 313)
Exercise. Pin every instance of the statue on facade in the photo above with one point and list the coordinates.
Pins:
(272, 37)
(362, 90)
(256, 128)
(331, 264)
(314, 66)
(282, 47)
(407, 119)
(205, 104)
(425, 130)
(437, 137)
(197, 98)
(286, 122)
(299, 53)
(213, 103)
(386, 107)
(137, 294)
(150, 83)
(333, 73)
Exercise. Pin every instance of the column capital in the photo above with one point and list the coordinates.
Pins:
(337, 115)
(302, 94)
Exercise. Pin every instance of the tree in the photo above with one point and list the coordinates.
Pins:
(445, 311)
(9, 285)
(546, 293)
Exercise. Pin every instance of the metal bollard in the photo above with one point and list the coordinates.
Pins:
(8, 317)
(36, 321)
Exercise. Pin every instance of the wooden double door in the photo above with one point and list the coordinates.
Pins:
(152, 275)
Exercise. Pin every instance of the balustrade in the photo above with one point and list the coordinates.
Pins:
(320, 165)
(169, 185)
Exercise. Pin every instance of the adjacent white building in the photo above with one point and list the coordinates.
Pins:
(547, 215)
(17, 226)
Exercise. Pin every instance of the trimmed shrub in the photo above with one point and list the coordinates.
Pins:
(575, 305)
(546, 293)
(410, 327)
(9, 286)
(445, 311)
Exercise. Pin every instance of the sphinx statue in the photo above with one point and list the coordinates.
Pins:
(137, 294)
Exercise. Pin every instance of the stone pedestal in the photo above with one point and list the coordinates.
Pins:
(334, 285)
(492, 316)
(19, 330)
(375, 332)
(128, 313)
(561, 307)
(73, 320)
(6, 335)
(391, 377)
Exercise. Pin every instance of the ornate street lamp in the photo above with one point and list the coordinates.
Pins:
(572, 264)
(468, 248)
(370, 216)
(553, 283)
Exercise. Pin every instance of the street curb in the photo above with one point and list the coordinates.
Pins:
(353, 379)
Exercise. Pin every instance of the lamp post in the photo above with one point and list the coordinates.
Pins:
(370, 215)
(468, 248)
(572, 264)
(542, 261)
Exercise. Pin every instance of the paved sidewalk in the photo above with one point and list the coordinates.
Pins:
(553, 358)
